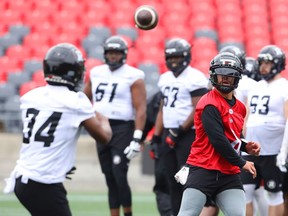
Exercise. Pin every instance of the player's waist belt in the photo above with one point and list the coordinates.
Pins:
(115, 122)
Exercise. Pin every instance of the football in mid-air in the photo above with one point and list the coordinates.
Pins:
(146, 17)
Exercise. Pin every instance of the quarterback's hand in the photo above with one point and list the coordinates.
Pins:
(249, 167)
(253, 148)
(281, 161)
(173, 136)
(133, 149)
(154, 143)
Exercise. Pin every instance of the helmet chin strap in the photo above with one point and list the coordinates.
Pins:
(224, 89)
(176, 73)
(178, 70)
(268, 76)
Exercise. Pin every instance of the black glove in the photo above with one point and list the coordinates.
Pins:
(156, 140)
(173, 136)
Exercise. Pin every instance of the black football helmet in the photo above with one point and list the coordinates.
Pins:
(178, 47)
(64, 65)
(225, 64)
(240, 53)
(273, 54)
(115, 43)
(252, 69)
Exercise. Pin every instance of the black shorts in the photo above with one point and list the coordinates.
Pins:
(266, 170)
(42, 199)
(212, 182)
(113, 153)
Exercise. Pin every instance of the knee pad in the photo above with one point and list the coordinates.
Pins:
(275, 198)
(249, 192)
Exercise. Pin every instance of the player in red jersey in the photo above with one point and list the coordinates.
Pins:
(214, 162)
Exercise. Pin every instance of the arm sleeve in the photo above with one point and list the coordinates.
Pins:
(199, 92)
(211, 116)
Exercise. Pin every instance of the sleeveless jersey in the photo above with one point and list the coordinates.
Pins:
(177, 94)
(112, 91)
(266, 121)
(202, 153)
(51, 118)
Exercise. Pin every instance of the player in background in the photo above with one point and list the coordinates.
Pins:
(267, 124)
(259, 205)
(245, 83)
(182, 87)
(52, 118)
(213, 166)
(252, 69)
(160, 188)
(282, 161)
(118, 92)
(258, 202)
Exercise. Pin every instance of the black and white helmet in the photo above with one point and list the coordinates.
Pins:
(225, 64)
(178, 47)
(240, 53)
(63, 65)
(252, 69)
(273, 54)
(115, 43)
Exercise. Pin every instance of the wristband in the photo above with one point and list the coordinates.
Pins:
(138, 134)
(243, 145)
(244, 141)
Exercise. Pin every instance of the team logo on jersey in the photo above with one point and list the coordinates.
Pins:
(271, 184)
(116, 159)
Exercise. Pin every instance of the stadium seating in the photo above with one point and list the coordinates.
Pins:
(29, 27)
(12, 115)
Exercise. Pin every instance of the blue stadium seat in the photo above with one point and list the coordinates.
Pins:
(7, 90)
(32, 66)
(20, 30)
(131, 32)
(8, 40)
(18, 78)
(12, 120)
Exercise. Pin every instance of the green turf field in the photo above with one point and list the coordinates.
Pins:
(84, 204)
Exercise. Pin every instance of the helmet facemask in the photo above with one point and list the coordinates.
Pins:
(113, 65)
(274, 54)
(225, 73)
(117, 44)
(178, 67)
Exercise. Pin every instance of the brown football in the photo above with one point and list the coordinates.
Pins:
(146, 17)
